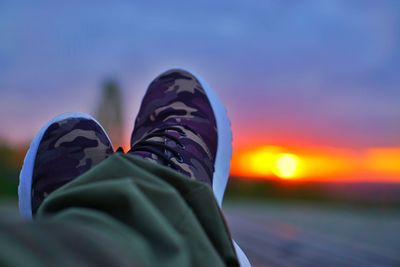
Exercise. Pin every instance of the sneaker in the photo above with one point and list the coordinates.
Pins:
(182, 124)
(64, 148)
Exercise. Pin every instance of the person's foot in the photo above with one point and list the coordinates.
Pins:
(66, 147)
(183, 125)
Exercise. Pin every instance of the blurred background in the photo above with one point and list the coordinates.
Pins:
(312, 89)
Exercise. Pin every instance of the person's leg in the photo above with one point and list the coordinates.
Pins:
(124, 211)
(182, 124)
(96, 200)
(152, 211)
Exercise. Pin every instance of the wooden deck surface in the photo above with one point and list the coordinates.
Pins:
(283, 235)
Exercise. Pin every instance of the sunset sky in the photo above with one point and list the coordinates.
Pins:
(310, 85)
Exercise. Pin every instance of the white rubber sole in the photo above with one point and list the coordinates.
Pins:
(224, 148)
(25, 177)
(224, 155)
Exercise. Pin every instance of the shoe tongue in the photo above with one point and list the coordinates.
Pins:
(120, 149)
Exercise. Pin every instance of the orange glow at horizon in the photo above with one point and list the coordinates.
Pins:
(318, 164)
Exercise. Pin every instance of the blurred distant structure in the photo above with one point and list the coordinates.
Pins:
(109, 111)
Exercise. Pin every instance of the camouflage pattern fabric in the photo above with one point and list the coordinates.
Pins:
(68, 149)
(176, 126)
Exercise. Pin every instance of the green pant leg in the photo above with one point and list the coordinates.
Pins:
(125, 211)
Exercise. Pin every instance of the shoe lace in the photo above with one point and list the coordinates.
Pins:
(162, 149)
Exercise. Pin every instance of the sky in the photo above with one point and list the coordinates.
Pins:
(291, 73)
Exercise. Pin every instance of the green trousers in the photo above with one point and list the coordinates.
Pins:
(126, 211)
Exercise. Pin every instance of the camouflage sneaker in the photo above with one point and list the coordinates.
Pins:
(183, 125)
(64, 148)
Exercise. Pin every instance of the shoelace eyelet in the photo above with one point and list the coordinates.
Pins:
(179, 158)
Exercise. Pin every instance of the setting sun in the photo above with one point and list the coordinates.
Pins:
(268, 161)
(286, 165)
